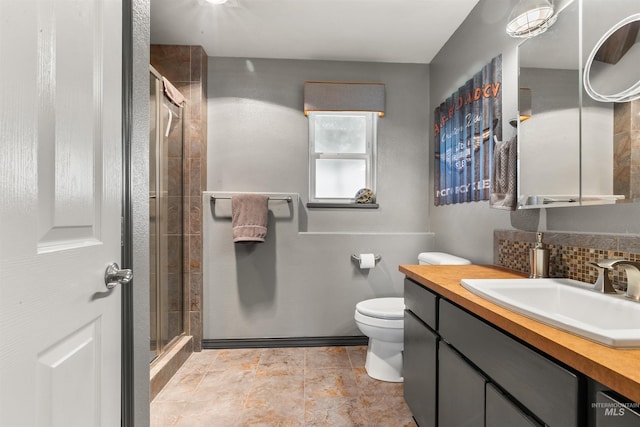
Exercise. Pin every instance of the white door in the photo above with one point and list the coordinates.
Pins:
(60, 200)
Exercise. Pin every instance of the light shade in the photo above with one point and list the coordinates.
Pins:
(340, 96)
(530, 18)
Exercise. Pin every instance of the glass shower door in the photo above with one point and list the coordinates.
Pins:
(165, 220)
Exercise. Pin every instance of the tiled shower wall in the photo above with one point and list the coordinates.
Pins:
(626, 149)
(569, 253)
(186, 68)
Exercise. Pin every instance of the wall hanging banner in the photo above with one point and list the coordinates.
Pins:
(466, 128)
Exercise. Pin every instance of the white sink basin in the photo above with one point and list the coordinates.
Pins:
(566, 304)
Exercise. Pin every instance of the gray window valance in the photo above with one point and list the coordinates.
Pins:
(343, 96)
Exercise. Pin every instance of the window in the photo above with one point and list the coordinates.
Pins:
(342, 148)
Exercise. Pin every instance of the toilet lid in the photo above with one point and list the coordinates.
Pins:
(382, 308)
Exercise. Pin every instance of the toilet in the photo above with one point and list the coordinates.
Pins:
(382, 320)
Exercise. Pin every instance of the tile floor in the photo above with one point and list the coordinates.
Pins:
(313, 386)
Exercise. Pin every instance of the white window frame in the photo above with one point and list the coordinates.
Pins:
(369, 155)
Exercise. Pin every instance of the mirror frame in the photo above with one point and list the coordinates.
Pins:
(630, 94)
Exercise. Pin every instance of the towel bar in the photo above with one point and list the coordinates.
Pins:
(357, 258)
(288, 199)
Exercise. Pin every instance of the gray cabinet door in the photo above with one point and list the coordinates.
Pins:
(502, 412)
(460, 391)
(420, 353)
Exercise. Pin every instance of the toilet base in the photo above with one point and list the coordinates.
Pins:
(384, 360)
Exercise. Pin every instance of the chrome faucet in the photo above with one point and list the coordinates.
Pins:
(632, 269)
(603, 283)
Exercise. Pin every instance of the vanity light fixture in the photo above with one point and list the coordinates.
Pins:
(216, 1)
(530, 18)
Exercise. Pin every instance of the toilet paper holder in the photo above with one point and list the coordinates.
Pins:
(356, 258)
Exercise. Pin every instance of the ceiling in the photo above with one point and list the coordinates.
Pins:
(404, 31)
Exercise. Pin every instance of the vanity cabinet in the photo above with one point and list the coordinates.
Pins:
(460, 370)
(486, 357)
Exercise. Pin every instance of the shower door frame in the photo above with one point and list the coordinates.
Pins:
(161, 258)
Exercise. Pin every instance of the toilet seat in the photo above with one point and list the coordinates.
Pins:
(382, 308)
(378, 322)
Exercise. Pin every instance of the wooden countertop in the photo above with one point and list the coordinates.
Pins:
(618, 369)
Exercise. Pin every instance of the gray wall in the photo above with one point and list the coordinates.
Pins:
(467, 229)
(302, 282)
(259, 136)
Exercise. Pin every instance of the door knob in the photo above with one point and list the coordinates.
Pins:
(114, 276)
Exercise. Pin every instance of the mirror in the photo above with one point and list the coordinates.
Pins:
(611, 70)
(549, 110)
(570, 153)
(604, 24)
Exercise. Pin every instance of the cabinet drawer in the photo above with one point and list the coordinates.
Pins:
(547, 389)
(421, 302)
(502, 412)
(611, 412)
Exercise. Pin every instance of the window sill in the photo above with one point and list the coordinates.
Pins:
(343, 205)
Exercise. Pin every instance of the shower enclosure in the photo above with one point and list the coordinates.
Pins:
(166, 284)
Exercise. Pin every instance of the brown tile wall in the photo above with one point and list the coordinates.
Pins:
(626, 150)
(186, 68)
(568, 253)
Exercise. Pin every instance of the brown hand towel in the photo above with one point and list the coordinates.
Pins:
(174, 94)
(249, 214)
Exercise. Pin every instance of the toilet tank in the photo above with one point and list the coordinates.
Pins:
(440, 258)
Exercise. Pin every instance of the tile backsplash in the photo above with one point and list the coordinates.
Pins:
(569, 253)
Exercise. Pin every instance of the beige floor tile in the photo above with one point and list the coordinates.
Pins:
(357, 356)
(332, 382)
(217, 411)
(209, 419)
(371, 387)
(270, 412)
(388, 411)
(236, 359)
(334, 411)
(326, 357)
(281, 361)
(296, 387)
(165, 414)
(275, 401)
(230, 384)
(277, 388)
